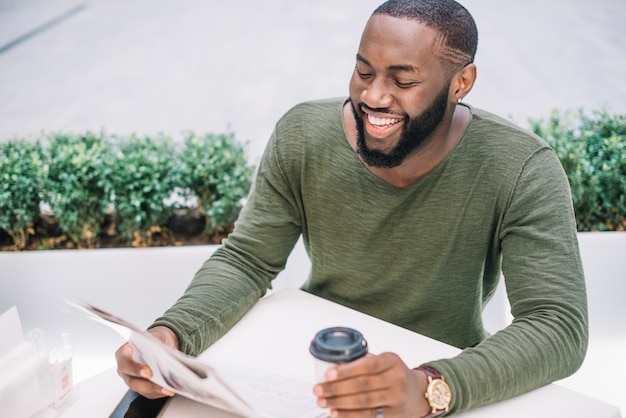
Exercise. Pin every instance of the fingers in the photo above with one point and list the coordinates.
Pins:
(356, 389)
(362, 393)
(368, 365)
(364, 383)
(364, 413)
(136, 375)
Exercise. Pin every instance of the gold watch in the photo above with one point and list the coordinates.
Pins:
(438, 392)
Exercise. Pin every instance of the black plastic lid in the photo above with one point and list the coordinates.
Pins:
(338, 345)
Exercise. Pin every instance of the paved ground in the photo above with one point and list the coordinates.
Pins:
(150, 66)
(159, 65)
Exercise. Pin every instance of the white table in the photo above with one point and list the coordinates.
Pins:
(276, 333)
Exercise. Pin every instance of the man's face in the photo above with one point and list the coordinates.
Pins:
(399, 90)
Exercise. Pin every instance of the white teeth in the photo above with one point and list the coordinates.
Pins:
(382, 121)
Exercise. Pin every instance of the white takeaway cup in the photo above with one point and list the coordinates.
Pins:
(336, 345)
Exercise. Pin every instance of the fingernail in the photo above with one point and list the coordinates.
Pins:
(318, 391)
(145, 373)
(167, 392)
(331, 374)
(321, 402)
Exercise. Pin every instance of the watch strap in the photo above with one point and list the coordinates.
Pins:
(432, 374)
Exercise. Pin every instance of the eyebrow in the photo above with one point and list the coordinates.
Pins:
(406, 67)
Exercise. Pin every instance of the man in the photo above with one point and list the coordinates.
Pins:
(410, 204)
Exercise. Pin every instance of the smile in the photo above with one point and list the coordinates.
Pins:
(382, 121)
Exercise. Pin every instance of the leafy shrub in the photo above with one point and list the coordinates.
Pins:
(592, 149)
(213, 169)
(144, 179)
(89, 179)
(20, 188)
(78, 184)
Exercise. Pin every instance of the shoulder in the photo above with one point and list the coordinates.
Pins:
(309, 126)
(497, 150)
(307, 134)
(495, 130)
(317, 112)
(501, 142)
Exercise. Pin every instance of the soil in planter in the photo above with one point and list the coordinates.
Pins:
(180, 230)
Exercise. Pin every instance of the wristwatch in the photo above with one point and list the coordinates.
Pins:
(438, 392)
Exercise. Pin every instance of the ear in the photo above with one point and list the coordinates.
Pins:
(463, 81)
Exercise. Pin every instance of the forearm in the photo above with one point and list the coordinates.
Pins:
(526, 355)
(212, 305)
(221, 292)
(240, 271)
(228, 285)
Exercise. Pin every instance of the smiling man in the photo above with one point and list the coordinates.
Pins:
(411, 204)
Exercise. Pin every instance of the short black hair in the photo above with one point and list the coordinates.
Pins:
(456, 26)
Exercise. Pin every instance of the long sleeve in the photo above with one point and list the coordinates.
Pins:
(547, 339)
(241, 270)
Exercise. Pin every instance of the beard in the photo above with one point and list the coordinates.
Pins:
(415, 132)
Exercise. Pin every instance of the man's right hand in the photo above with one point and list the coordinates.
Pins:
(136, 375)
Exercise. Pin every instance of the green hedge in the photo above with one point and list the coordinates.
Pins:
(592, 149)
(21, 188)
(214, 171)
(145, 177)
(141, 183)
(77, 183)
(138, 183)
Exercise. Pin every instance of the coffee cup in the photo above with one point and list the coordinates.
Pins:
(336, 345)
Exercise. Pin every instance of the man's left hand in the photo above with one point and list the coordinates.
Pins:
(359, 388)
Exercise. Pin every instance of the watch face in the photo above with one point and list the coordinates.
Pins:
(439, 394)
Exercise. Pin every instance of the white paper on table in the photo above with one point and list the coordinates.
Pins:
(270, 395)
(273, 395)
(244, 391)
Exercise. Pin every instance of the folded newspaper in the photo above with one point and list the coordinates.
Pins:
(245, 392)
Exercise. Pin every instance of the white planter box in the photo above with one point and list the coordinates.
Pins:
(136, 283)
(604, 261)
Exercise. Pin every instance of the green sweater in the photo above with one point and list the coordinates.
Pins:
(426, 257)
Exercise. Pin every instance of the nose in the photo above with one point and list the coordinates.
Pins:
(376, 95)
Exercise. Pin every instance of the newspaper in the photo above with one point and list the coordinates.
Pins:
(243, 391)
